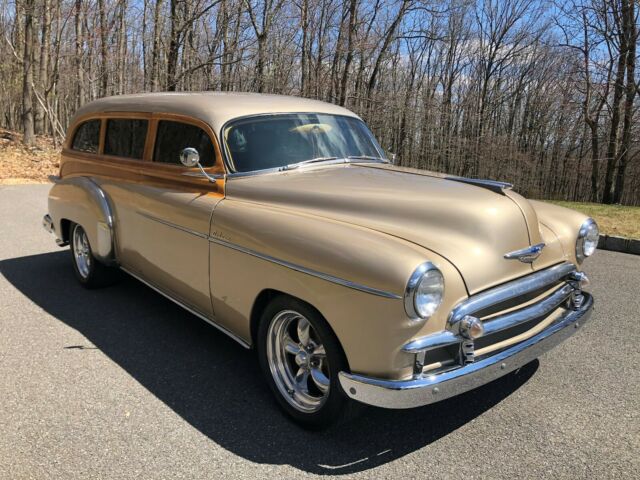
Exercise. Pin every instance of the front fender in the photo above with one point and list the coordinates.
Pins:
(354, 276)
(82, 201)
(564, 223)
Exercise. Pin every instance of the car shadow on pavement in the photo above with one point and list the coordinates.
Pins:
(215, 384)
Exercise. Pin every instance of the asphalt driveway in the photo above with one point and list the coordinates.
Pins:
(121, 383)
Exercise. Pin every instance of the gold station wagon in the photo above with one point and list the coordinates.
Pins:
(281, 222)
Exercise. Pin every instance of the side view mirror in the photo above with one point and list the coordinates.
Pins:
(189, 157)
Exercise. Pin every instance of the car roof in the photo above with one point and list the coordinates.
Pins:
(214, 108)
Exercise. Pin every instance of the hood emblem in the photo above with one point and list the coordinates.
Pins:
(526, 255)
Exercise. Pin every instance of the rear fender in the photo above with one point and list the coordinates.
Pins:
(82, 201)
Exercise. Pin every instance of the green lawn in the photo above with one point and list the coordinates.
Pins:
(612, 219)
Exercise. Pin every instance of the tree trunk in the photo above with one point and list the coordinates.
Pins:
(612, 146)
(104, 78)
(353, 4)
(122, 48)
(304, 57)
(79, 21)
(155, 54)
(631, 33)
(45, 45)
(259, 82)
(174, 47)
(27, 77)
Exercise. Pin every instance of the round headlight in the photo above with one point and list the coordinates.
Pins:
(424, 291)
(587, 239)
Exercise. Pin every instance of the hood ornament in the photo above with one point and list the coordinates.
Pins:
(526, 255)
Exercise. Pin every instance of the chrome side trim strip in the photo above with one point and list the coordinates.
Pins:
(172, 225)
(427, 389)
(308, 271)
(513, 289)
(284, 263)
(189, 309)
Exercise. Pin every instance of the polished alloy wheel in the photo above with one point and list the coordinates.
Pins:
(81, 251)
(298, 361)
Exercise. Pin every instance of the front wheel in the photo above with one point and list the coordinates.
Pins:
(301, 358)
(89, 271)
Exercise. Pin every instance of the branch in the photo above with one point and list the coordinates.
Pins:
(211, 61)
(55, 123)
(13, 50)
(197, 15)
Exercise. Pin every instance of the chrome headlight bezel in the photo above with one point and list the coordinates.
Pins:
(586, 234)
(424, 271)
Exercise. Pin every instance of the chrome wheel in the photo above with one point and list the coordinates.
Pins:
(81, 251)
(298, 361)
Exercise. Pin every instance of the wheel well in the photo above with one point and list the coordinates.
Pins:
(261, 302)
(65, 225)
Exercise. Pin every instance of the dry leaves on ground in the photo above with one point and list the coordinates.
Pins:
(21, 164)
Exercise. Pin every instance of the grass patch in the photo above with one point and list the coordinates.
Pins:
(615, 220)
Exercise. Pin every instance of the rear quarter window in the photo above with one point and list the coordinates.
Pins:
(87, 137)
(126, 137)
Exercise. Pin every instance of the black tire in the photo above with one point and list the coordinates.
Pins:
(336, 407)
(90, 272)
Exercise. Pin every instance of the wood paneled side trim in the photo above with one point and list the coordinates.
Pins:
(136, 171)
(103, 134)
(150, 142)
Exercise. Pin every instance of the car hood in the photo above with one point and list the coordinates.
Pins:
(471, 226)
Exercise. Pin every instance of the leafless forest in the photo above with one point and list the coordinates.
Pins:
(541, 94)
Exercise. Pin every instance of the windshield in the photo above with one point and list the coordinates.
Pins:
(284, 140)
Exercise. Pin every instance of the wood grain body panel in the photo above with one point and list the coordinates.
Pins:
(162, 216)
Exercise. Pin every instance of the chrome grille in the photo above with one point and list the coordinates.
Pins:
(548, 289)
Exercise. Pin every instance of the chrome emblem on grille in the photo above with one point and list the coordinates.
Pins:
(526, 255)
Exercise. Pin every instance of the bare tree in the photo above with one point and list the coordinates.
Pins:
(485, 89)
(27, 78)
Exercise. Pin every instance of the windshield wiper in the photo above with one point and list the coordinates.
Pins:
(329, 159)
(367, 157)
(306, 162)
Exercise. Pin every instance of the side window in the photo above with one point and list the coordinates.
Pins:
(173, 137)
(87, 137)
(125, 137)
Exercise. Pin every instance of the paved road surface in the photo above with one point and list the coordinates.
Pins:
(120, 383)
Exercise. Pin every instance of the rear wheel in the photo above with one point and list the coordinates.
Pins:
(89, 271)
(301, 358)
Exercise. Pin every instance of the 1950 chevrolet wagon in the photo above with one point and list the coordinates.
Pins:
(281, 222)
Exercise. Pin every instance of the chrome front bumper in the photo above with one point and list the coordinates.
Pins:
(426, 389)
